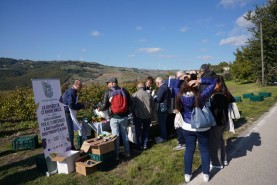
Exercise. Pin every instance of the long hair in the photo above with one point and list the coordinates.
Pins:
(220, 80)
(184, 89)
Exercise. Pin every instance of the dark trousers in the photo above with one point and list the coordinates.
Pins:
(180, 136)
(203, 145)
(217, 146)
(70, 129)
(170, 124)
(142, 132)
(162, 116)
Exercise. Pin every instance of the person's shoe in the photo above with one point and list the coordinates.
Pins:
(160, 141)
(145, 147)
(225, 163)
(179, 147)
(127, 155)
(218, 167)
(206, 177)
(187, 177)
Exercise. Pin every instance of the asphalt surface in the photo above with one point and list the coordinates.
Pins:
(252, 156)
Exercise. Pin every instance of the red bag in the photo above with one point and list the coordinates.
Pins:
(119, 103)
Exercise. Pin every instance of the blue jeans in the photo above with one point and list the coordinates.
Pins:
(203, 142)
(142, 132)
(70, 128)
(119, 128)
(162, 116)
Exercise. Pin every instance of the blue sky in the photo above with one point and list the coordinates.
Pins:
(148, 34)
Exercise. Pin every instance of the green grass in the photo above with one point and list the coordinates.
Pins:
(158, 165)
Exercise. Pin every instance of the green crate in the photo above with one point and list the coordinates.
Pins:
(108, 160)
(247, 95)
(237, 98)
(25, 142)
(41, 163)
(265, 94)
(256, 98)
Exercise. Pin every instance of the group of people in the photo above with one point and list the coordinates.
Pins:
(178, 96)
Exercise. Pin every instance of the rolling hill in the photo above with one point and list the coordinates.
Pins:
(18, 73)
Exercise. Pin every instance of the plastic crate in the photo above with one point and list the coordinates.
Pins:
(247, 95)
(41, 163)
(25, 142)
(265, 94)
(237, 98)
(256, 98)
(108, 160)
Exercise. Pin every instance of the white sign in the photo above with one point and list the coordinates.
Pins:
(51, 117)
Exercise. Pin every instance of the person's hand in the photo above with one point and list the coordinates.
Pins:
(193, 83)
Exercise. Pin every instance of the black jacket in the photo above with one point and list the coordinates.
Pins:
(219, 108)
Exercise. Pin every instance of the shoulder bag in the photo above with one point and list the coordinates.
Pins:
(202, 118)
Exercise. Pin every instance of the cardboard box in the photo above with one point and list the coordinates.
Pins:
(66, 161)
(98, 147)
(85, 168)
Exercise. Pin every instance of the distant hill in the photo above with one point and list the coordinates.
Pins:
(18, 73)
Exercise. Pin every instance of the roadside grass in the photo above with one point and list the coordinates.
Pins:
(160, 164)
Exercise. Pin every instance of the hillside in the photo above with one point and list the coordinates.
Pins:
(18, 73)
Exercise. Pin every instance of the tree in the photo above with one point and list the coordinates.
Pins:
(267, 16)
(243, 69)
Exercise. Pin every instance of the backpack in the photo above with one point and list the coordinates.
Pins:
(119, 103)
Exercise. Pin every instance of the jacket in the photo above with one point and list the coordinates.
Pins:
(70, 98)
(163, 95)
(106, 102)
(219, 108)
(142, 104)
(188, 98)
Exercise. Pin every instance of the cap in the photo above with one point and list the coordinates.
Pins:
(114, 80)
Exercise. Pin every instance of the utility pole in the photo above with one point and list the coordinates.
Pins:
(262, 52)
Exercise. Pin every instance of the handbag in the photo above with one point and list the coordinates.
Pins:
(202, 118)
(233, 111)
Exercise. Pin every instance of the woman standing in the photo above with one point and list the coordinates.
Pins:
(188, 98)
(219, 107)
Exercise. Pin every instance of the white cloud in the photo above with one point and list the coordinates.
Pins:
(242, 22)
(184, 29)
(233, 3)
(138, 28)
(84, 50)
(95, 33)
(234, 40)
(150, 50)
(204, 40)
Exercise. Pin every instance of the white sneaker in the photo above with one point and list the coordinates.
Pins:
(218, 167)
(179, 147)
(225, 163)
(206, 177)
(187, 177)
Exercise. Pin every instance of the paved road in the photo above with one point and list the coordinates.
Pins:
(253, 156)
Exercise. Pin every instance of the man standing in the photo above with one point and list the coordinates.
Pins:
(163, 102)
(70, 98)
(118, 101)
(143, 104)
